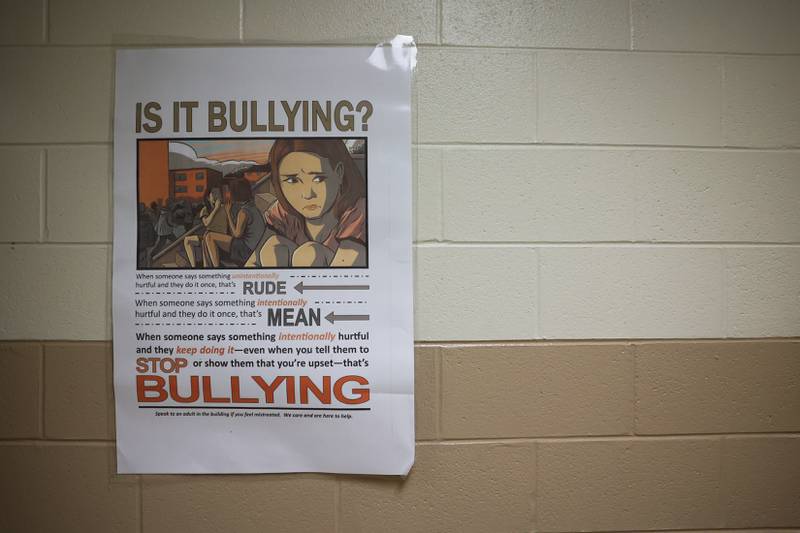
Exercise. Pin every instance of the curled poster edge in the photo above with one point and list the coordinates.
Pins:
(398, 52)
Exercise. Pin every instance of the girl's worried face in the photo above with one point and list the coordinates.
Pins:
(309, 183)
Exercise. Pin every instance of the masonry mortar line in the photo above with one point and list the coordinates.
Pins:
(495, 145)
(723, 530)
(54, 244)
(714, 530)
(440, 22)
(42, 195)
(111, 178)
(57, 442)
(601, 244)
(42, 393)
(440, 177)
(537, 126)
(482, 145)
(337, 504)
(607, 438)
(51, 440)
(635, 428)
(463, 343)
(46, 195)
(535, 486)
(538, 309)
(723, 102)
(431, 45)
(721, 483)
(724, 289)
(62, 143)
(140, 503)
(241, 21)
(522, 48)
(630, 26)
(227, 42)
(439, 362)
(108, 300)
(46, 21)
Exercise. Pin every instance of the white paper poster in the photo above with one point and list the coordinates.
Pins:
(262, 293)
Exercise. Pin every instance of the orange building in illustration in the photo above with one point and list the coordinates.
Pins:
(153, 161)
(192, 183)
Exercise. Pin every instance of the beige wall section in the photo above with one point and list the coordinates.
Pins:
(716, 26)
(599, 24)
(560, 437)
(143, 22)
(60, 94)
(583, 169)
(632, 166)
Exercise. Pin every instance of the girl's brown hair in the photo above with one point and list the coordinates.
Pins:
(334, 150)
(241, 191)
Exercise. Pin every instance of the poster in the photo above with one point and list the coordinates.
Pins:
(262, 291)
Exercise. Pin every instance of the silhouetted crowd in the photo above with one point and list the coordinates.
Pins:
(159, 225)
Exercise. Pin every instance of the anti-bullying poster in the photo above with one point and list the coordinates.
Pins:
(262, 292)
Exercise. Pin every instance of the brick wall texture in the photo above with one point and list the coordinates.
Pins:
(607, 268)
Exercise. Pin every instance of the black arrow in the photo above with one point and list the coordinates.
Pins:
(300, 287)
(333, 317)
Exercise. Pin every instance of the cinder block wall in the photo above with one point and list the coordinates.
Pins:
(607, 282)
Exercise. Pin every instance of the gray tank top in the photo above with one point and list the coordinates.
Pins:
(255, 225)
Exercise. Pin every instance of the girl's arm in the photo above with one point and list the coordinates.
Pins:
(210, 216)
(228, 216)
(241, 223)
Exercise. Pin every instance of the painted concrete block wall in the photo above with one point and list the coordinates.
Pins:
(607, 252)
(540, 125)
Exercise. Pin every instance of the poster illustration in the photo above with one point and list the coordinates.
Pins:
(229, 208)
(262, 295)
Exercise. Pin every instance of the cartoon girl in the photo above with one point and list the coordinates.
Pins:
(246, 224)
(320, 217)
(214, 220)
